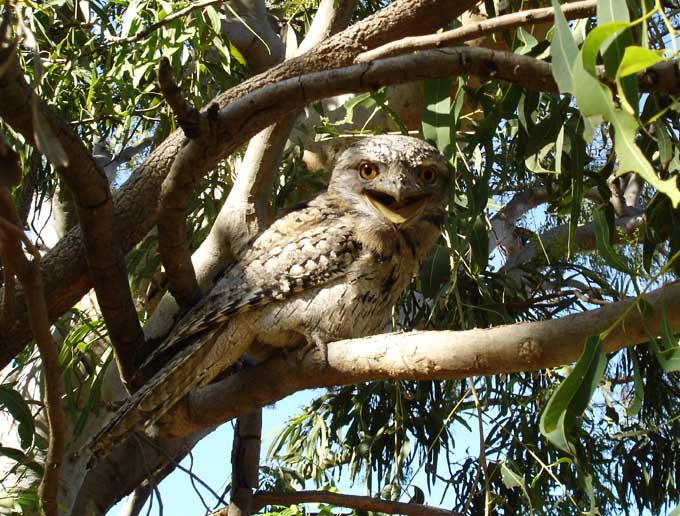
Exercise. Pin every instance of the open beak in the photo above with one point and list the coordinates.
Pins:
(395, 211)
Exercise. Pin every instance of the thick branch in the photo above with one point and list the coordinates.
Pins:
(90, 188)
(571, 11)
(433, 355)
(361, 503)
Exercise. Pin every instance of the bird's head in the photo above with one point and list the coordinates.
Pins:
(397, 179)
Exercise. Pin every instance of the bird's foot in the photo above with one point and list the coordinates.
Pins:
(315, 341)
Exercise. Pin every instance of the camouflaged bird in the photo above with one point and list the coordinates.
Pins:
(333, 269)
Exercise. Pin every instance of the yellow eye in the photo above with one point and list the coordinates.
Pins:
(429, 175)
(368, 171)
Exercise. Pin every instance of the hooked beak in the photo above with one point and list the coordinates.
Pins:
(396, 211)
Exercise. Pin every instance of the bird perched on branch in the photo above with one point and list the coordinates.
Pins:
(333, 269)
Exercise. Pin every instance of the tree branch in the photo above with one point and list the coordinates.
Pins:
(571, 11)
(503, 223)
(90, 188)
(554, 241)
(429, 355)
(361, 503)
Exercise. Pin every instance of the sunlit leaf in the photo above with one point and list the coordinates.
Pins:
(560, 416)
(563, 50)
(636, 59)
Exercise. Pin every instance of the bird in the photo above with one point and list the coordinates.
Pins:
(331, 269)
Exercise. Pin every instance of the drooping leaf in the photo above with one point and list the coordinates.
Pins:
(594, 99)
(603, 227)
(560, 416)
(512, 479)
(563, 50)
(437, 120)
(14, 403)
(479, 245)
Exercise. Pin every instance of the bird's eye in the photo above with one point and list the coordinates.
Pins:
(428, 175)
(368, 171)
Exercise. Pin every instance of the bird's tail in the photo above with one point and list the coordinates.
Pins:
(169, 385)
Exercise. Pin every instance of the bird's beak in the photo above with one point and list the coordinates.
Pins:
(396, 211)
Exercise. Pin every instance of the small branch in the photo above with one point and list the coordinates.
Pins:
(361, 503)
(616, 199)
(429, 355)
(571, 11)
(503, 222)
(555, 240)
(181, 13)
(11, 239)
(188, 117)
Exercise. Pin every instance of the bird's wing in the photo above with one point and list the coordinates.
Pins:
(302, 250)
(277, 266)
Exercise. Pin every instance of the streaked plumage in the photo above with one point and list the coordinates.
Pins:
(331, 270)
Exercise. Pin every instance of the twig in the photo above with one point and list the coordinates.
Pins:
(114, 40)
(571, 11)
(364, 503)
(11, 239)
(482, 448)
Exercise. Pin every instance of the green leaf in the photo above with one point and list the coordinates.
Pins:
(594, 99)
(512, 479)
(20, 457)
(563, 50)
(214, 18)
(479, 245)
(129, 18)
(675, 512)
(560, 417)
(437, 121)
(666, 348)
(596, 38)
(612, 10)
(636, 59)
(15, 404)
(603, 240)
(639, 393)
